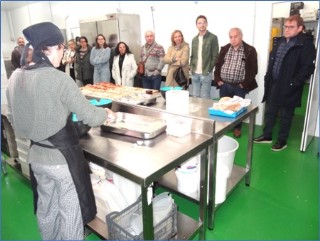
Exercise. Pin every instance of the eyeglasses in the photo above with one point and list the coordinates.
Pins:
(289, 27)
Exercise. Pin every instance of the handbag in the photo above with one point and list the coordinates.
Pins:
(180, 77)
(141, 68)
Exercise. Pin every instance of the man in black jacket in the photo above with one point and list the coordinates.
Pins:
(291, 63)
(16, 53)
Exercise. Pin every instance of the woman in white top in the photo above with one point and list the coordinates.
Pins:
(124, 66)
(69, 58)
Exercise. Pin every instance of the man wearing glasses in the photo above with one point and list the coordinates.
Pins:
(291, 62)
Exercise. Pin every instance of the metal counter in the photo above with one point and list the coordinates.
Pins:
(198, 108)
(145, 162)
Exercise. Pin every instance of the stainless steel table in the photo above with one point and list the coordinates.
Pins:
(198, 108)
(148, 161)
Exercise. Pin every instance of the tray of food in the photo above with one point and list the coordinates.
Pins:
(229, 107)
(126, 94)
(134, 125)
(227, 113)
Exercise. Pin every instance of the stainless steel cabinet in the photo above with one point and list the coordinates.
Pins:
(115, 27)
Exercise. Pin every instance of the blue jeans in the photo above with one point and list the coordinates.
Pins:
(201, 85)
(101, 75)
(230, 91)
(151, 82)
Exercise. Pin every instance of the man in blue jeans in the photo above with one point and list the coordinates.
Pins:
(236, 69)
(152, 54)
(204, 53)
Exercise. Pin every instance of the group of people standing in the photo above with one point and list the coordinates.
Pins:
(233, 70)
(91, 65)
(64, 200)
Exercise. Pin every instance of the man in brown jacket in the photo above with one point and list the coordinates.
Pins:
(236, 69)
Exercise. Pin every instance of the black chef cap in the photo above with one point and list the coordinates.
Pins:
(41, 35)
(44, 34)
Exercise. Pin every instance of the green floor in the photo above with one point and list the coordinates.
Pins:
(282, 202)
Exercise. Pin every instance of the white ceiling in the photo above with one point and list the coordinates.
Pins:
(8, 5)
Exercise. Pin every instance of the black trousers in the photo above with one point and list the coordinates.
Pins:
(286, 115)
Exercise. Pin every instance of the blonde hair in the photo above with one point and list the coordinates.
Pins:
(172, 36)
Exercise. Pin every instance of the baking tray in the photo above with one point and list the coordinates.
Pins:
(139, 126)
(139, 99)
(222, 113)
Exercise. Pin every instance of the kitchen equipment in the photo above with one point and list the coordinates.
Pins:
(140, 126)
(115, 27)
(106, 103)
(120, 224)
(164, 89)
(177, 101)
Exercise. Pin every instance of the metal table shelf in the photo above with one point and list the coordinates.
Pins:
(198, 108)
(145, 164)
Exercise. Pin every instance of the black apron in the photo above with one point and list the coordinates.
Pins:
(67, 142)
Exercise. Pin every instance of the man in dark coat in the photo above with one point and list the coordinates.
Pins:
(291, 63)
(16, 53)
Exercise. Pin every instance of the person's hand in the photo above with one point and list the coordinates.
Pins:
(220, 83)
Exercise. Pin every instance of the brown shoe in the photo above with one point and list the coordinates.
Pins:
(237, 132)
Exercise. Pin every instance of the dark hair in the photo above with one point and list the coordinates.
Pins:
(97, 44)
(201, 16)
(83, 37)
(116, 51)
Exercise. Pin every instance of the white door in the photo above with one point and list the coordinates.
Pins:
(312, 110)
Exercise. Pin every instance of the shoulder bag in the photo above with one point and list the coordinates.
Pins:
(180, 77)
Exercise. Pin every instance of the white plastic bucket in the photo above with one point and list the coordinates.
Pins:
(188, 182)
(227, 148)
(221, 183)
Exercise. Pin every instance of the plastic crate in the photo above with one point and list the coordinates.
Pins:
(116, 221)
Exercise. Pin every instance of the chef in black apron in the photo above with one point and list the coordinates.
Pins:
(59, 173)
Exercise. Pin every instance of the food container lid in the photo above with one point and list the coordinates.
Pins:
(167, 88)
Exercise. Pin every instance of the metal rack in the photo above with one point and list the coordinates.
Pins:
(147, 164)
(198, 108)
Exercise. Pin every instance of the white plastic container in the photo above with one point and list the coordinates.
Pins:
(227, 148)
(97, 170)
(129, 189)
(221, 183)
(188, 181)
(177, 101)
